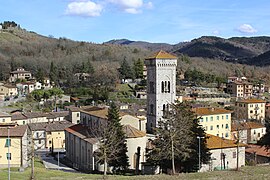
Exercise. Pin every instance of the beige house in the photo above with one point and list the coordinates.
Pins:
(251, 109)
(5, 118)
(48, 134)
(215, 121)
(20, 73)
(8, 90)
(240, 89)
(249, 132)
(17, 144)
(223, 154)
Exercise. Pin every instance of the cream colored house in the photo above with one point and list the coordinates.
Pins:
(249, 132)
(215, 121)
(17, 143)
(251, 109)
(8, 90)
(48, 134)
(5, 118)
(20, 73)
(240, 88)
(223, 154)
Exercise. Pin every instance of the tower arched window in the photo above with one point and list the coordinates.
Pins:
(169, 88)
(152, 109)
(162, 87)
(164, 109)
(165, 86)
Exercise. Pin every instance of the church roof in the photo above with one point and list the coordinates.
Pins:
(162, 55)
(132, 132)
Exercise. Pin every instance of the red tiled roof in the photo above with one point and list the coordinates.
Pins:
(259, 150)
(162, 55)
(251, 101)
(210, 111)
(215, 142)
(132, 132)
(16, 131)
(246, 126)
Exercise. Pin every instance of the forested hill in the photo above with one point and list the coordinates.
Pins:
(237, 49)
(19, 47)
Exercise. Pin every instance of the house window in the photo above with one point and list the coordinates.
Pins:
(211, 127)
(78, 121)
(50, 142)
(222, 117)
(39, 141)
(254, 132)
(217, 117)
(217, 126)
(37, 134)
(227, 126)
(211, 118)
(201, 119)
(226, 135)
(8, 156)
(206, 128)
(3, 120)
(234, 154)
(8, 142)
(78, 114)
(251, 111)
(206, 119)
(227, 116)
(259, 135)
(23, 122)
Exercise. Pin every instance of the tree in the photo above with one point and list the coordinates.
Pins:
(138, 68)
(125, 70)
(53, 73)
(40, 75)
(176, 139)
(112, 146)
(56, 93)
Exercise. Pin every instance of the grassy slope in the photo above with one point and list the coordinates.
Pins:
(249, 172)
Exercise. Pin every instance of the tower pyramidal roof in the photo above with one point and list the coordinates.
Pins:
(162, 55)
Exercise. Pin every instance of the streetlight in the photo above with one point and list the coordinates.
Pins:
(199, 137)
(8, 154)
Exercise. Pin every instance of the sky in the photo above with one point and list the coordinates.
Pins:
(165, 21)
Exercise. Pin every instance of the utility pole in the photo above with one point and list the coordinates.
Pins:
(9, 141)
(198, 137)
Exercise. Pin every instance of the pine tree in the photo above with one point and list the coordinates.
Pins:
(125, 70)
(119, 160)
(138, 68)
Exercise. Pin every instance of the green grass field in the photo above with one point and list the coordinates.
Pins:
(249, 172)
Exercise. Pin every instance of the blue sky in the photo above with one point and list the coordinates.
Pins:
(169, 21)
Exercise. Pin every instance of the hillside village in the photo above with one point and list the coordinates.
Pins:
(233, 117)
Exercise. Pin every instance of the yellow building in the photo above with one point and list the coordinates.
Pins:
(215, 121)
(251, 109)
(17, 145)
(8, 90)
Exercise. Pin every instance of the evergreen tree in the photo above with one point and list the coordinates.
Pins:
(112, 146)
(90, 67)
(119, 160)
(40, 75)
(125, 70)
(53, 73)
(138, 68)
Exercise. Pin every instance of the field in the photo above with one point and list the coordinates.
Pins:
(249, 172)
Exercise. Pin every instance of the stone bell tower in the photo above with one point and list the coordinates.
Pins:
(161, 86)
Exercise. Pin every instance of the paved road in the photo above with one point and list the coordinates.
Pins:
(50, 163)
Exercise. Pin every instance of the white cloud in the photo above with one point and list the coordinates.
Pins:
(246, 28)
(84, 8)
(216, 32)
(132, 11)
(131, 6)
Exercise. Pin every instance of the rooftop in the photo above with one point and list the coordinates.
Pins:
(251, 101)
(246, 125)
(215, 142)
(201, 111)
(162, 55)
(132, 132)
(16, 131)
(49, 127)
(259, 150)
(4, 114)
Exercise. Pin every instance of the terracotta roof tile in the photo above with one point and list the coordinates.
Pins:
(252, 101)
(132, 132)
(259, 150)
(215, 142)
(16, 131)
(201, 111)
(162, 55)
